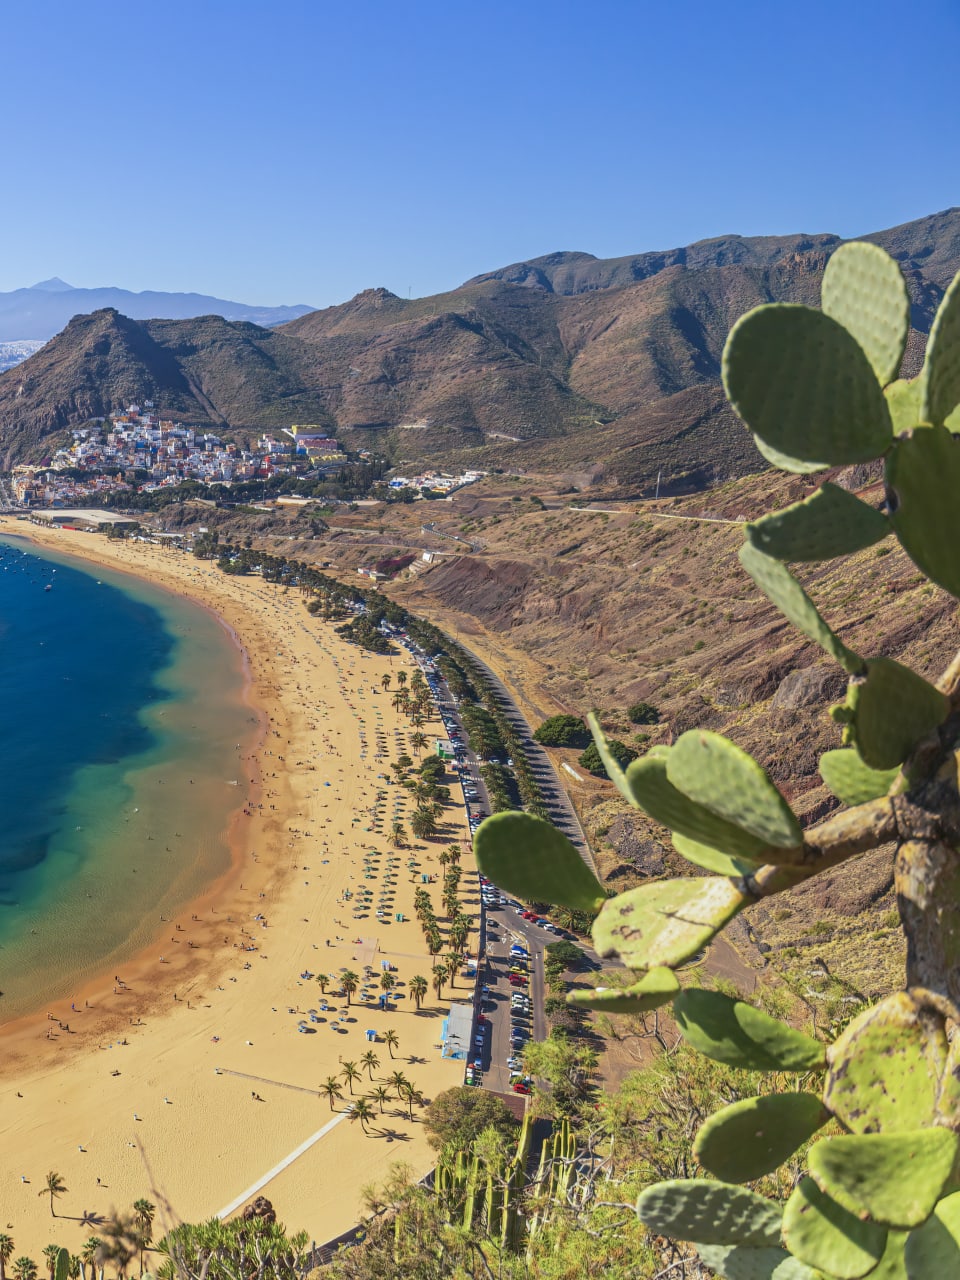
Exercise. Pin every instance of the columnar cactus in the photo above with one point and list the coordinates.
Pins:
(817, 389)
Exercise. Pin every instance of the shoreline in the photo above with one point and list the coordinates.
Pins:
(156, 1099)
(138, 962)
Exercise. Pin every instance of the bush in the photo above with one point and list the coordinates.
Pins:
(643, 713)
(590, 760)
(567, 954)
(563, 731)
(457, 1116)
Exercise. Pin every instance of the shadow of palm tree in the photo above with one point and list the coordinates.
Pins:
(391, 1135)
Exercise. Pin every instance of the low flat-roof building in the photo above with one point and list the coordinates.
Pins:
(83, 518)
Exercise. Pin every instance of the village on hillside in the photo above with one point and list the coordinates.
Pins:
(139, 452)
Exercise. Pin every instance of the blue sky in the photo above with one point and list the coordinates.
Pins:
(302, 150)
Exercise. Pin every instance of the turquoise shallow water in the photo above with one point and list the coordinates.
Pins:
(121, 710)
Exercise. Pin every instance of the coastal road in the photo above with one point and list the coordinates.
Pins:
(559, 805)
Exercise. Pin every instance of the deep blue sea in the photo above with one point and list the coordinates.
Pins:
(121, 707)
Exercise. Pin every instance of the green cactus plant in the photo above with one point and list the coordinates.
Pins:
(750, 1138)
(654, 989)
(824, 1235)
(547, 858)
(710, 1213)
(735, 1032)
(831, 522)
(649, 784)
(852, 781)
(667, 922)
(726, 781)
(820, 388)
(61, 1266)
(922, 476)
(804, 386)
(864, 290)
(861, 1172)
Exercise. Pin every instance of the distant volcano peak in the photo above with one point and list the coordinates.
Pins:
(53, 285)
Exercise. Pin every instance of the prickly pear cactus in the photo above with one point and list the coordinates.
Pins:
(881, 1103)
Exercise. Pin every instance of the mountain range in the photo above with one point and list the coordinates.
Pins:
(42, 310)
(566, 362)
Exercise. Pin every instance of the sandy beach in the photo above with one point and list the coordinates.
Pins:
(188, 1082)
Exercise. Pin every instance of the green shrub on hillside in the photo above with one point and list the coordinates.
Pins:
(590, 759)
(643, 713)
(563, 731)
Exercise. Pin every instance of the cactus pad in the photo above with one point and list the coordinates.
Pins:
(779, 585)
(933, 1250)
(654, 989)
(702, 855)
(851, 780)
(656, 795)
(864, 289)
(893, 709)
(610, 763)
(719, 775)
(831, 522)
(940, 376)
(903, 401)
(733, 1031)
(667, 922)
(884, 1069)
(530, 858)
(823, 1234)
(754, 1136)
(735, 1262)
(923, 479)
(803, 384)
(865, 1173)
(706, 1212)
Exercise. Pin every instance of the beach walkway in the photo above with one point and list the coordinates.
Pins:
(285, 1163)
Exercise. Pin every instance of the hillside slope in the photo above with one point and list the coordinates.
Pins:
(566, 363)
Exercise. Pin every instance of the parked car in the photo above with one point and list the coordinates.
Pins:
(519, 1087)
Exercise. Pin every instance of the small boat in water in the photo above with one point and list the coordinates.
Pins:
(48, 587)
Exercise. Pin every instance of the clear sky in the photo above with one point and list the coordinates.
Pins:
(302, 150)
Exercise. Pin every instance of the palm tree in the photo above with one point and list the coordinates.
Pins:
(382, 1095)
(74, 1267)
(453, 961)
(391, 1040)
(54, 1188)
(398, 1082)
(6, 1253)
(385, 681)
(418, 741)
(387, 981)
(423, 824)
(143, 1212)
(350, 1073)
(401, 678)
(349, 981)
(418, 987)
(88, 1254)
(398, 835)
(370, 1061)
(434, 944)
(51, 1252)
(331, 1087)
(25, 1269)
(398, 700)
(363, 1112)
(440, 976)
(322, 980)
(411, 1095)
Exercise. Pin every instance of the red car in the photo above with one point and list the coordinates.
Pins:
(529, 915)
(520, 1087)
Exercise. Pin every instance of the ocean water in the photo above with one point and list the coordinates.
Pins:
(121, 711)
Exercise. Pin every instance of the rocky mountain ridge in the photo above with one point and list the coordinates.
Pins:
(565, 363)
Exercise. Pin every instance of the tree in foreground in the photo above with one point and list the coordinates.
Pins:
(818, 389)
(25, 1269)
(456, 1117)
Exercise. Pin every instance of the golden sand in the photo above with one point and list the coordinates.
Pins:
(191, 1083)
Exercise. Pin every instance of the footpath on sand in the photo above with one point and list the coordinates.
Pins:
(141, 1098)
